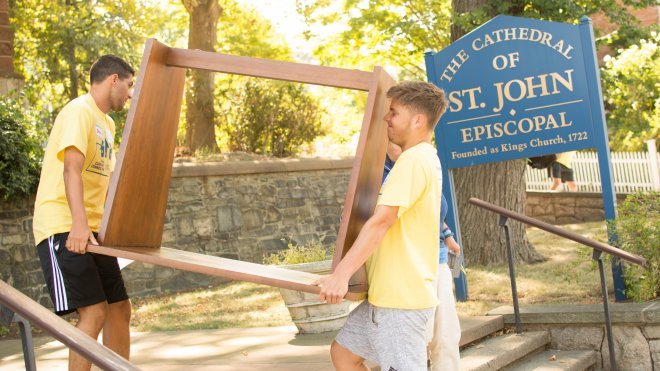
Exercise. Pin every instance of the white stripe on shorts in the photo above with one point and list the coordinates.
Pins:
(58, 282)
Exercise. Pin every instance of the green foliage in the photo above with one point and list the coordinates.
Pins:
(20, 150)
(55, 42)
(255, 115)
(313, 251)
(270, 118)
(398, 32)
(244, 31)
(390, 33)
(638, 229)
(632, 95)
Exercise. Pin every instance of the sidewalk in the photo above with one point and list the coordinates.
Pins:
(266, 348)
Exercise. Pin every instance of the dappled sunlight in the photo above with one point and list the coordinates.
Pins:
(568, 276)
(235, 304)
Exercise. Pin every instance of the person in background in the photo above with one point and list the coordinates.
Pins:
(444, 352)
(562, 171)
(70, 200)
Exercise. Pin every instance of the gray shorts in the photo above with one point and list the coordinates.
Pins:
(393, 338)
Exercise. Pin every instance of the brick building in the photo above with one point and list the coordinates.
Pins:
(9, 79)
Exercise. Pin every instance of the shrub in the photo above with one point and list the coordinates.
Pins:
(632, 95)
(638, 228)
(270, 118)
(313, 251)
(20, 150)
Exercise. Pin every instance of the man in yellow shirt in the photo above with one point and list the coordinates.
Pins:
(399, 245)
(70, 199)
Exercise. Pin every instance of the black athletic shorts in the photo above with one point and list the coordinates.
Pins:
(78, 280)
(561, 171)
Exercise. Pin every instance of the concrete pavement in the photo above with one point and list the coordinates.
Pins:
(270, 348)
(260, 348)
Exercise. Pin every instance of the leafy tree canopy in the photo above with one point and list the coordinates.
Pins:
(632, 95)
(258, 115)
(55, 42)
(398, 32)
(20, 150)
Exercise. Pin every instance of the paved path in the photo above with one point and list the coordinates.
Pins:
(268, 348)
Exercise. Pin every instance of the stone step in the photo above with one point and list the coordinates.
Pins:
(501, 351)
(556, 360)
(475, 328)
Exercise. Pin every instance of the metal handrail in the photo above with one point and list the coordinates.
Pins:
(636, 259)
(598, 247)
(61, 330)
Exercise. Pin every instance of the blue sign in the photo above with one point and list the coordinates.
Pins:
(520, 88)
(516, 88)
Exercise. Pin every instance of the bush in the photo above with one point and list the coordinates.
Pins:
(632, 95)
(270, 118)
(20, 150)
(638, 228)
(313, 251)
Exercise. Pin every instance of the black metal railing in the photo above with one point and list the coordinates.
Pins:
(16, 302)
(598, 247)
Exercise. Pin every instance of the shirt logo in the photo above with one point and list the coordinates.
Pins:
(100, 163)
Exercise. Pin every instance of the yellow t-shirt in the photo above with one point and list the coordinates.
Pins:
(566, 158)
(83, 125)
(402, 269)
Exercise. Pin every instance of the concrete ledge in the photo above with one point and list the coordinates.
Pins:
(475, 328)
(186, 169)
(595, 195)
(621, 313)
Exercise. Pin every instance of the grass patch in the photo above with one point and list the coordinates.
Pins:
(234, 304)
(568, 276)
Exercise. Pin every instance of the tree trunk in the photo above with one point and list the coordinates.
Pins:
(70, 56)
(501, 183)
(200, 122)
(73, 70)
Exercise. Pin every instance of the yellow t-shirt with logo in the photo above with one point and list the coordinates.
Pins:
(83, 125)
(402, 269)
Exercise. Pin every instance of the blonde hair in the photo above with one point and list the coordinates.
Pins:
(422, 97)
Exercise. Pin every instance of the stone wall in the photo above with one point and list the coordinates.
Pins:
(567, 207)
(19, 264)
(239, 210)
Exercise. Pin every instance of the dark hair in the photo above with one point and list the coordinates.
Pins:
(108, 65)
(422, 97)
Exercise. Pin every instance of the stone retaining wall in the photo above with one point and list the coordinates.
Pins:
(635, 328)
(239, 210)
(567, 207)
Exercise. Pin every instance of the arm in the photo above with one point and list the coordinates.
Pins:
(335, 286)
(80, 232)
(449, 241)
